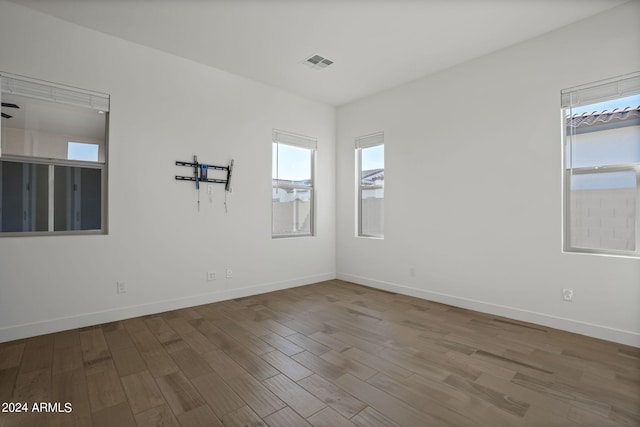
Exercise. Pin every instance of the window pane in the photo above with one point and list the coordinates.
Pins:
(371, 174)
(604, 133)
(603, 210)
(83, 151)
(372, 165)
(43, 129)
(291, 165)
(372, 212)
(292, 211)
(78, 198)
(606, 147)
(24, 197)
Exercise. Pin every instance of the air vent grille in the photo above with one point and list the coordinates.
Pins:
(318, 62)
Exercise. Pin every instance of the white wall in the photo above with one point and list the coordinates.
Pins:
(163, 109)
(480, 142)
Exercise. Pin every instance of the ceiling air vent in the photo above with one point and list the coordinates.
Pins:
(318, 62)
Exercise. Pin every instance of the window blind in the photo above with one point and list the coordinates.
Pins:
(50, 92)
(370, 140)
(617, 87)
(293, 139)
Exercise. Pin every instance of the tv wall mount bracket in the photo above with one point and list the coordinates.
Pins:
(201, 174)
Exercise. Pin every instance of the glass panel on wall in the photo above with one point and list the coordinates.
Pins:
(291, 211)
(603, 210)
(292, 164)
(53, 155)
(371, 191)
(43, 129)
(78, 198)
(372, 211)
(24, 197)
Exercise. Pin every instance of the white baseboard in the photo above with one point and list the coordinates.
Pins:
(14, 332)
(26, 330)
(569, 325)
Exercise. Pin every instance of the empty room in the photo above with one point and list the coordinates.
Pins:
(451, 236)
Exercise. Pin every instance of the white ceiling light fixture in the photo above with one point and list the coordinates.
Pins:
(318, 62)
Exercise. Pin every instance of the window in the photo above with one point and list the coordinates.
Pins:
(602, 167)
(370, 155)
(292, 184)
(83, 151)
(53, 167)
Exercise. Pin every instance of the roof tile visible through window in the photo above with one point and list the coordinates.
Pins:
(371, 177)
(606, 116)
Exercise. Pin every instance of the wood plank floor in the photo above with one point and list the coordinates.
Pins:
(328, 354)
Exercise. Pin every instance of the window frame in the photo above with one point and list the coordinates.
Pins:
(302, 142)
(363, 143)
(65, 95)
(605, 90)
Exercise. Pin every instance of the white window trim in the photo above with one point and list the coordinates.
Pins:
(61, 94)
(301, 141)
(609, 89)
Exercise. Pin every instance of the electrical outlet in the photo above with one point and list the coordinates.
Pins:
(229, 273)
(412, 272)
(567, 294)
(121, 287)
(211, 275)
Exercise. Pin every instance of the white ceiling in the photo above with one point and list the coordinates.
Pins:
(375, 44)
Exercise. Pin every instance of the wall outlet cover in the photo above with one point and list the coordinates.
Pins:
(121, 287)
(567, 294)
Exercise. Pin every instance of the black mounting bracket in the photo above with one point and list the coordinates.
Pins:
(201, 173)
